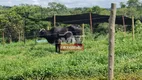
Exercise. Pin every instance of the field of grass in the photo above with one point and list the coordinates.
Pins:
(41, 62)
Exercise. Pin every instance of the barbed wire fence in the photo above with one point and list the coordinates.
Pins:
(35, 35)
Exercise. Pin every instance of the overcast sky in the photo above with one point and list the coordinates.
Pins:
(68, 3)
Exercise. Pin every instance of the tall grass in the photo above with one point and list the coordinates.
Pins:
(40, 61)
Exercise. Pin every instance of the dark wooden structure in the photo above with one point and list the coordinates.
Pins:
(86, 18)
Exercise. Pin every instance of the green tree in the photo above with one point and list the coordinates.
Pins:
(133, 3)
(57, 8)
(123, 5)
(76, 11)
(96, 9)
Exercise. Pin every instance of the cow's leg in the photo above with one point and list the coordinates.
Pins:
(73, 39)
(69, 40)
(78, 40)
(57, 45)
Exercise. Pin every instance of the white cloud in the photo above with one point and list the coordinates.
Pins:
(85, 3)
(36, 2)
(68, 3)
(9, 2)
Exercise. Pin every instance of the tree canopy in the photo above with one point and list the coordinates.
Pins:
(14, 20)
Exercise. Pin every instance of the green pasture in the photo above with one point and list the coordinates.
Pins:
(19, 61)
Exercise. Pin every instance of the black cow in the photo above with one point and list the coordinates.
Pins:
(56, 34)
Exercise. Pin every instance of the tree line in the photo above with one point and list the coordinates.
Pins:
(15, 22)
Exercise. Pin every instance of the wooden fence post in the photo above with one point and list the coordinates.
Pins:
(48, 27)
(10, 38)
(35, 36)
(19, 34)
(111, 42)
(24, 31)
(3, 39)
(54, 20)
(83, 31)
(133, 31)
(91, 22)
(124, 27)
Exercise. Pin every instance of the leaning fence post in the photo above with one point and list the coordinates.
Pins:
(111, 42)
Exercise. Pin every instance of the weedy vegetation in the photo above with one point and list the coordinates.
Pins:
(28, 61)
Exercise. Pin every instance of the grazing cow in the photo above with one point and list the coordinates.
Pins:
(56, 34)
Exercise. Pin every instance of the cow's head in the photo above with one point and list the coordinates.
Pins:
(43, 32)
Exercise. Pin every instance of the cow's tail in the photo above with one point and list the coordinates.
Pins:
(66, 34)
